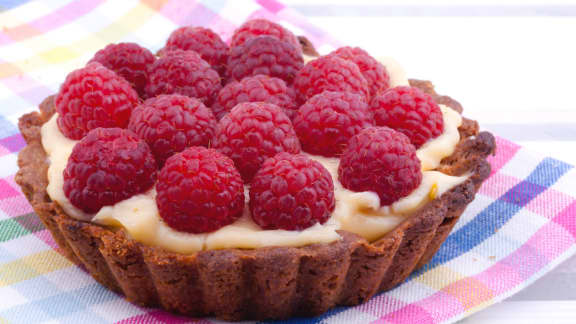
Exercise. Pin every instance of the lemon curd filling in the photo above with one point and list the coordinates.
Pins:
(357, 212)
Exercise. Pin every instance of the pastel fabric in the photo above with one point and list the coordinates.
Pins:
(520, 226)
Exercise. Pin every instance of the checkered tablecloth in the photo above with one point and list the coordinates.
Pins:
(519, 227)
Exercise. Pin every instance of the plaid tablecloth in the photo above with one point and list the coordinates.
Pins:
(519, 227)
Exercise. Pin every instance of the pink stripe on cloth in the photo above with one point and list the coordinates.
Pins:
(64, 15)
(567, 219)
(271, 5)
(161, 317)
(511, 271)
(505, 152)
(409, 314)
(15, 206)
(497, 185)
(549, 203)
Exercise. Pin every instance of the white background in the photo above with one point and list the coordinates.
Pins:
(512, 64)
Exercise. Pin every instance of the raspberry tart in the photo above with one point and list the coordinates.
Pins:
(239, 182)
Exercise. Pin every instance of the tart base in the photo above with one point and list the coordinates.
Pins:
(265, 283)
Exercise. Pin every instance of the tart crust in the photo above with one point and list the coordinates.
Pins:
(264, 283)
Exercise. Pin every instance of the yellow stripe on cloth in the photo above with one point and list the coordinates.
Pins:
(113, 32)
(439, 277)
(32, 266)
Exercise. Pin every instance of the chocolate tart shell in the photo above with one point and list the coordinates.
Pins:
(264, 283)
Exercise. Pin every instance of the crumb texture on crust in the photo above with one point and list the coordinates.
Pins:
(265, 283)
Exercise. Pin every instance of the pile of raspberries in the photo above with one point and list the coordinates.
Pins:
(205, 120)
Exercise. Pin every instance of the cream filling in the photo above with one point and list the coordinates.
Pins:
(357, 212)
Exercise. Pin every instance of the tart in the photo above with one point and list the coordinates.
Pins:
(264, 282)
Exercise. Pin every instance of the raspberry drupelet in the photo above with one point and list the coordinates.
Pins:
(93, 97)
(381, 160)
(258, 88)
(199, 191)
(264, 55)
(409, 111)
(261, 27)
(202, 41)
(107, 166)
(129, 60)
(330, 73)
(185, 73)
(291, 192)
(373, 71)
(327, 121)
(253, 132)
(171, 123)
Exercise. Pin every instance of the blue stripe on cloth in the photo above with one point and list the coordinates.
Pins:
(546, 173)
(58, 306)
(7, 128)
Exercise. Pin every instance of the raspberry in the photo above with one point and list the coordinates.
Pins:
(291, 192)
(381, 160)
(258, 88)
(330, 73)
(171, 123)
(183, 72)
(128, 60)
(93, 97)
(372, 70)
(327, 121)
(199, 191)
(409, 111)
(204, 42)
(261, 27)
(264, 55)
(253, 132)
(107, 166)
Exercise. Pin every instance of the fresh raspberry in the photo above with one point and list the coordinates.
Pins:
(199, 191)
(128, 60)
(409, 111)
(262, 27)
(253, 132)
(291, 192)
(381, 160)
(186, 73)
(330, 73)
(107, 166)
(171, 123)
(204, 42)
(258, 88)
(93, 97)
(264, 55)
(372, 70)
(327, 121)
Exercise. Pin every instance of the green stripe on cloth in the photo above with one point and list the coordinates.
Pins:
(11, 229)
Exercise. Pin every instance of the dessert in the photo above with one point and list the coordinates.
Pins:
(260, 215)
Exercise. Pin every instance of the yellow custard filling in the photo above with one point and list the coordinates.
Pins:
(357, 212)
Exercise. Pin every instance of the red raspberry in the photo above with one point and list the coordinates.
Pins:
(171, 123)
(258, 88)
(327, 121)
(253, 132)
(186, 73)
(262, 27)
(204, 42)
(372, 70)
(291, 192)
(199, 191)
(409, 111)
(381, 160)
(264, 55)
(107, 166)
(330, 73)
(93, 97)
(128, 60)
